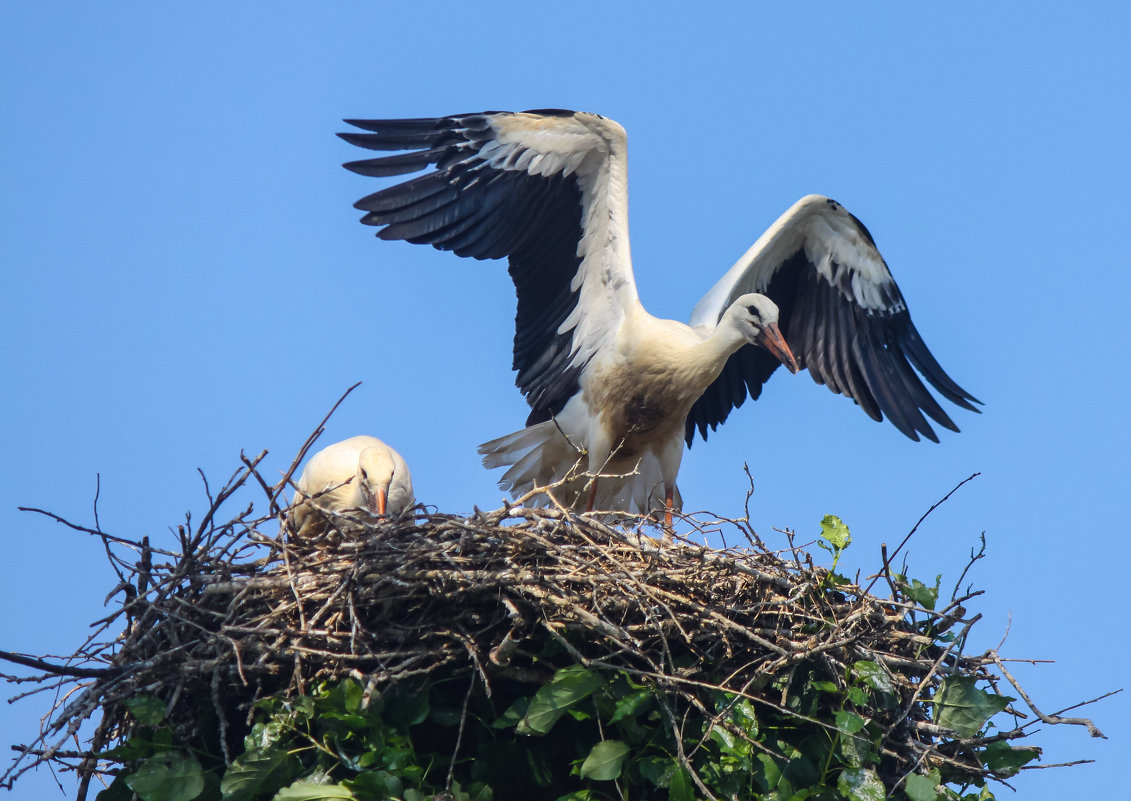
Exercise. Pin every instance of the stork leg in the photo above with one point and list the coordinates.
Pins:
(669, 501)
(592, 497)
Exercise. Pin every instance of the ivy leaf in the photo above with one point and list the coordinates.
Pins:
(263, 735)
(375, 784)
(835, 531)
(1005, 760)
(514, 714)
(568, 686)
(134, 749)
(872, 675)
(919, 592)
(961, 706)
(657, 770)
(630, 705)
(117, 791)
(860, 784)
(681, 787)
(252, 771)
(309, 791)
(922, 788)
(849, 722)
(171, 776)
(403, 704)
(148, 710)
(604, 761)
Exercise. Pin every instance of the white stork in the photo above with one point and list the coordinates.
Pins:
(548, 190)
(359, 473)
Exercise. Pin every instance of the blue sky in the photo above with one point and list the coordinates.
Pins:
(185, 279)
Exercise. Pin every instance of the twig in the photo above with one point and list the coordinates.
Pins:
(1051, 719)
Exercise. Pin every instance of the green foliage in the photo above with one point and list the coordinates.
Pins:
(917, 591)
(585, 734)
(835, 537)
(961, 706)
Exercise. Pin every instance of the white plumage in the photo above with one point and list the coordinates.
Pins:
(609, 384)
(360, 475)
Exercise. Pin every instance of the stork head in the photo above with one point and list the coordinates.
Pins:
(756, 318)
(375, 468)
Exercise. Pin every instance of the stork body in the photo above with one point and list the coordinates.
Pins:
(605, 380)
(628, 420)
(360, 473)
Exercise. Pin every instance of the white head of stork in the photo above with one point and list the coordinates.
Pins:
(606, 380)
(359, 473)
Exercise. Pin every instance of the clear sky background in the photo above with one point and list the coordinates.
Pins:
(185, 278)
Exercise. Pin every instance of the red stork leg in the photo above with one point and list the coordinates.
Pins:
(669, 501)
(592, 497)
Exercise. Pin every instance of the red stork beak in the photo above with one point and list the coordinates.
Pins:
(772, 340)
(378, 501)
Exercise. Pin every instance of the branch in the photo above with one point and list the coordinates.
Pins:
(58, 670)
(1051, 719)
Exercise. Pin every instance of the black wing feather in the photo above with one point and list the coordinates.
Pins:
(865, 354)
(466, 206)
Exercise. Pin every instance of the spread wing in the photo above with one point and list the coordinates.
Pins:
(545, 189)
(841, 314)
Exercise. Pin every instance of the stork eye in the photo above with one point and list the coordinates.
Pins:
(753, 310)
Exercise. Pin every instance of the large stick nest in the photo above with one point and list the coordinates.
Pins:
(239, 611)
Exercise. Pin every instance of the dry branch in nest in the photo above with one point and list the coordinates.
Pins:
(236, 613)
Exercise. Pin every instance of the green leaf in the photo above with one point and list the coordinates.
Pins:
(961, 706)
(872, 675)
(375, 784)
(303, 706)
(922, 788)
(657, 770)
(630, 705)
(1005, 760)
(514, 714)
(263, 735)
(148, 710)
(771, 771)
(849, 722)
(919, 592)
(568, 686)
(723, 738)
(681, 787)
(309, 791)
(405, 704)
(604, 761)
(835, 531)
(856, 752)
(445, 716)
(134, 749)
(117, 791)
(860, 784)
(171, 776)
(254, 772)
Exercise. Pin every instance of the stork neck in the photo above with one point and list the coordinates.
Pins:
(720, 345)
